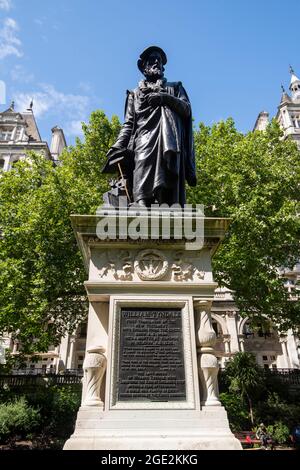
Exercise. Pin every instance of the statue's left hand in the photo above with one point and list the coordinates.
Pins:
(154, 99)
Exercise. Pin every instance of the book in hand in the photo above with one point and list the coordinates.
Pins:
(111, 166)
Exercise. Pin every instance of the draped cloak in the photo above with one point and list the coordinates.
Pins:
(161, 141)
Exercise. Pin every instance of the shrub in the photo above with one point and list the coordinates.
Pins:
(275, 409)
(237, 410)
(18, 418)
(65, 404)
(279, 432)
(58, 407)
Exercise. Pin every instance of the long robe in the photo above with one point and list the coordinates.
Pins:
(162, 143)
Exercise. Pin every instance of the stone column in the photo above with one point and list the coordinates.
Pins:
(207, 361)
(231, 321)
(71, 359)
(94, 366)
(226, 341)
(241, 343)
(63, 354)
(283, 342)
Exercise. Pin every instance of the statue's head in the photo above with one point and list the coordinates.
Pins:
(151, 63)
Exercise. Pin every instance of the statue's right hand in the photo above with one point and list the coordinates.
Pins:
(110, 152)
(115, 151)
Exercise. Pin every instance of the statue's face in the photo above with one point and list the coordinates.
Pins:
(153, 66)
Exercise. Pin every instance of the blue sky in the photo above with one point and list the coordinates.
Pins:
(74, 56)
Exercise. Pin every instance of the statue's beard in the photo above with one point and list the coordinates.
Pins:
(153, 72)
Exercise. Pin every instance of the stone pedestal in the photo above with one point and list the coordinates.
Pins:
(150, 372)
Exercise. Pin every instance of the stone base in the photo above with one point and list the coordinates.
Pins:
(207, 429)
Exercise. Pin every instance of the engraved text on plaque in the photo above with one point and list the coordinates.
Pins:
(151, 360)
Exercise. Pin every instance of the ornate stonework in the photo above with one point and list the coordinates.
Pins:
(151, 265)
(94, 366)
(119, 262)
(183, 270)
(207, 361)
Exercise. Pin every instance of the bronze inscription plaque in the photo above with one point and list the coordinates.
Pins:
(151, 360)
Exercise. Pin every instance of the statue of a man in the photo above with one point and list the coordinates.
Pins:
(156, 139)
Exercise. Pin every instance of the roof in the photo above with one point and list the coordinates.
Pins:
(285, 97)
(294, 78)
(32, 129)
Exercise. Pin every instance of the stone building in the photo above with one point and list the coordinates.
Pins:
(288, 114)
(19, 134)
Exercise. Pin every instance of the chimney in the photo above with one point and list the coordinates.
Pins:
(58, 142)
(262, 121)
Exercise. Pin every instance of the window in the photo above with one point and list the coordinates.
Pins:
(18, 133)
(265, 358)
(1, 164)
(273, 358)
(80, 358)
(274, 366)
(5, 135)
(217, 328)
(247, 330)
(266, 366)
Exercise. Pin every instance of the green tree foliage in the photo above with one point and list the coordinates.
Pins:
(41, 270)
(238, 413)
(252, 395)
(253, 179)
(245, 378)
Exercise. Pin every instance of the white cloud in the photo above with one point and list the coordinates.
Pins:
(19, 74)
(73, 128)
(84, 86)
(5, 5)
(10, 44)
(39, 21)
(71, 108)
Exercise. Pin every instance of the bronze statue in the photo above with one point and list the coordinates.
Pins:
(154, 150)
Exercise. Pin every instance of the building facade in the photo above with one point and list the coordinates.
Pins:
(288, 114)
(19, 135)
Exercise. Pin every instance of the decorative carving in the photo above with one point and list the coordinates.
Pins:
(120, 264)
(206, 334)
(94, 366)
(151, 265)
(207, 361)
(208, 373)
(231, 313)
(183, 269)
